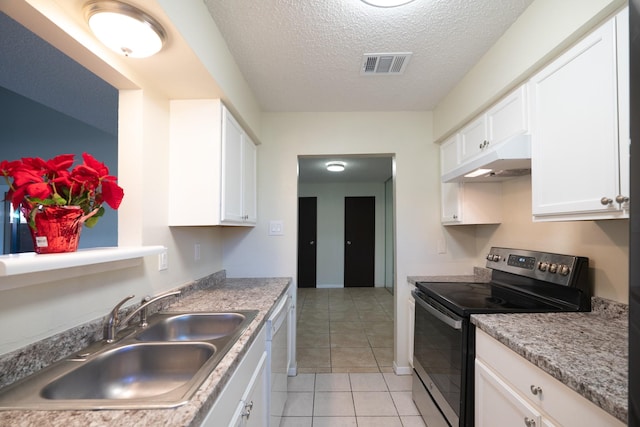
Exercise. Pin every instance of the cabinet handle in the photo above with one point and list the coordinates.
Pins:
(621, 199)
(536, 390)
(529, 422)
(483, 144)
(247, 409)
(606, 201)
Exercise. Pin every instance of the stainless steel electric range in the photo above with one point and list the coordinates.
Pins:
(522, 281)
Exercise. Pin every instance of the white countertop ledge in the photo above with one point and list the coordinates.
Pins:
(17, 270)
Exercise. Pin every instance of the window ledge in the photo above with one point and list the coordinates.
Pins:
(17, 270)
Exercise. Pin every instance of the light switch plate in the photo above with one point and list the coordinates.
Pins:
(276, 228)
(163, 260)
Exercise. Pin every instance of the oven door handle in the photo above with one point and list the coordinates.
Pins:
(453, 323)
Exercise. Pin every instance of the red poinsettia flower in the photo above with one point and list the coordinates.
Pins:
(34, 181)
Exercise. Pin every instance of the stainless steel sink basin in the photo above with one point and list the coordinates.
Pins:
(193, 327)
(160, 366)
(132, 371)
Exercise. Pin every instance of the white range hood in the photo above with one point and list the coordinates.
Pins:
(505, 160)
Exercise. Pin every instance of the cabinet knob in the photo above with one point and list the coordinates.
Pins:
(312, 242)
(606, 201)
(529, 422)
(536, 390)
(621, 199)
(455, 216)
(483, 144)
(247, 409)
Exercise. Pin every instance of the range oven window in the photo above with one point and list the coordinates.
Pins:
(440, 348)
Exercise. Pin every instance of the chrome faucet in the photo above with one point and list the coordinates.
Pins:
(113, 322)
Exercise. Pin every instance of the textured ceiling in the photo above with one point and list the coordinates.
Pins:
(305, 55)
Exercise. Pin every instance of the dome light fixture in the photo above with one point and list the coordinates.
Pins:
(336, 166)
(125, 29)
(386, 3)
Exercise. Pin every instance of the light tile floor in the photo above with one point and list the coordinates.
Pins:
(345, 358)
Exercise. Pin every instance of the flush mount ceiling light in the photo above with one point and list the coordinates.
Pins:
(125, 29)
(336, 166)
(387, 3)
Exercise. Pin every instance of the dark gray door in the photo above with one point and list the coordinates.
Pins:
(359, 241)
(307, 230)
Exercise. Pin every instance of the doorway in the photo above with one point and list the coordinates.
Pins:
(307, 236)
(363, 176)
(359, 241)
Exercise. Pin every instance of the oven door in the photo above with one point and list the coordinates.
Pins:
(441, 360)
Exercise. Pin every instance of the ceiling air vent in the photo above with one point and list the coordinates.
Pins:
(375, 64)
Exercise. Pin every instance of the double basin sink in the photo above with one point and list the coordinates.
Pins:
(159, 366)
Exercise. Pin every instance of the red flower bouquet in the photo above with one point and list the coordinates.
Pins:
(35, 184)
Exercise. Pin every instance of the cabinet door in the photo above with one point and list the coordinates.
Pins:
(232, 144)
(249, 185)
(473, 138)
(496, 404)
(252, 410)
(449, 157)
(451, 203)
(574, 114)
(508, 118)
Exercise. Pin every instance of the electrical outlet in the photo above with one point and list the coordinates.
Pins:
(163, 260)
(196, 252)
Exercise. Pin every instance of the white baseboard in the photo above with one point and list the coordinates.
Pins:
(402, 370)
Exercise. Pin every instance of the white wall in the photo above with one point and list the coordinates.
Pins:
(330, 231)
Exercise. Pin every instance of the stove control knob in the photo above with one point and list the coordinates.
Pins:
(564, 270)
(490, 257)
(497, 258)
(553, 268)
(542, 266)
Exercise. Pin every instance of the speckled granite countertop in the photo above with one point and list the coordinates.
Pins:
(230, 294)
(588, 352)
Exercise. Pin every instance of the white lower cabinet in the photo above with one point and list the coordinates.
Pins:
(510, 391)
(244, 401)
(498, 404)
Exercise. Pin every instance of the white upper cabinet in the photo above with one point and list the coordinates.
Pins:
(473, 138)
(506, 119)
(467, 203)
(238, 173)
(509, 117)
(579, 120)
(212, 166)
(449, 154)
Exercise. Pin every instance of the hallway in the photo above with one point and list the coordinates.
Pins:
(345, 363)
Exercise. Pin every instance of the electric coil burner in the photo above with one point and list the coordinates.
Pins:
(522, 281)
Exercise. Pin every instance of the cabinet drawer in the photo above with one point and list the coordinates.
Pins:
(562, 404)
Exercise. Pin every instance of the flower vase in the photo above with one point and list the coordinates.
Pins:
(54, 229)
